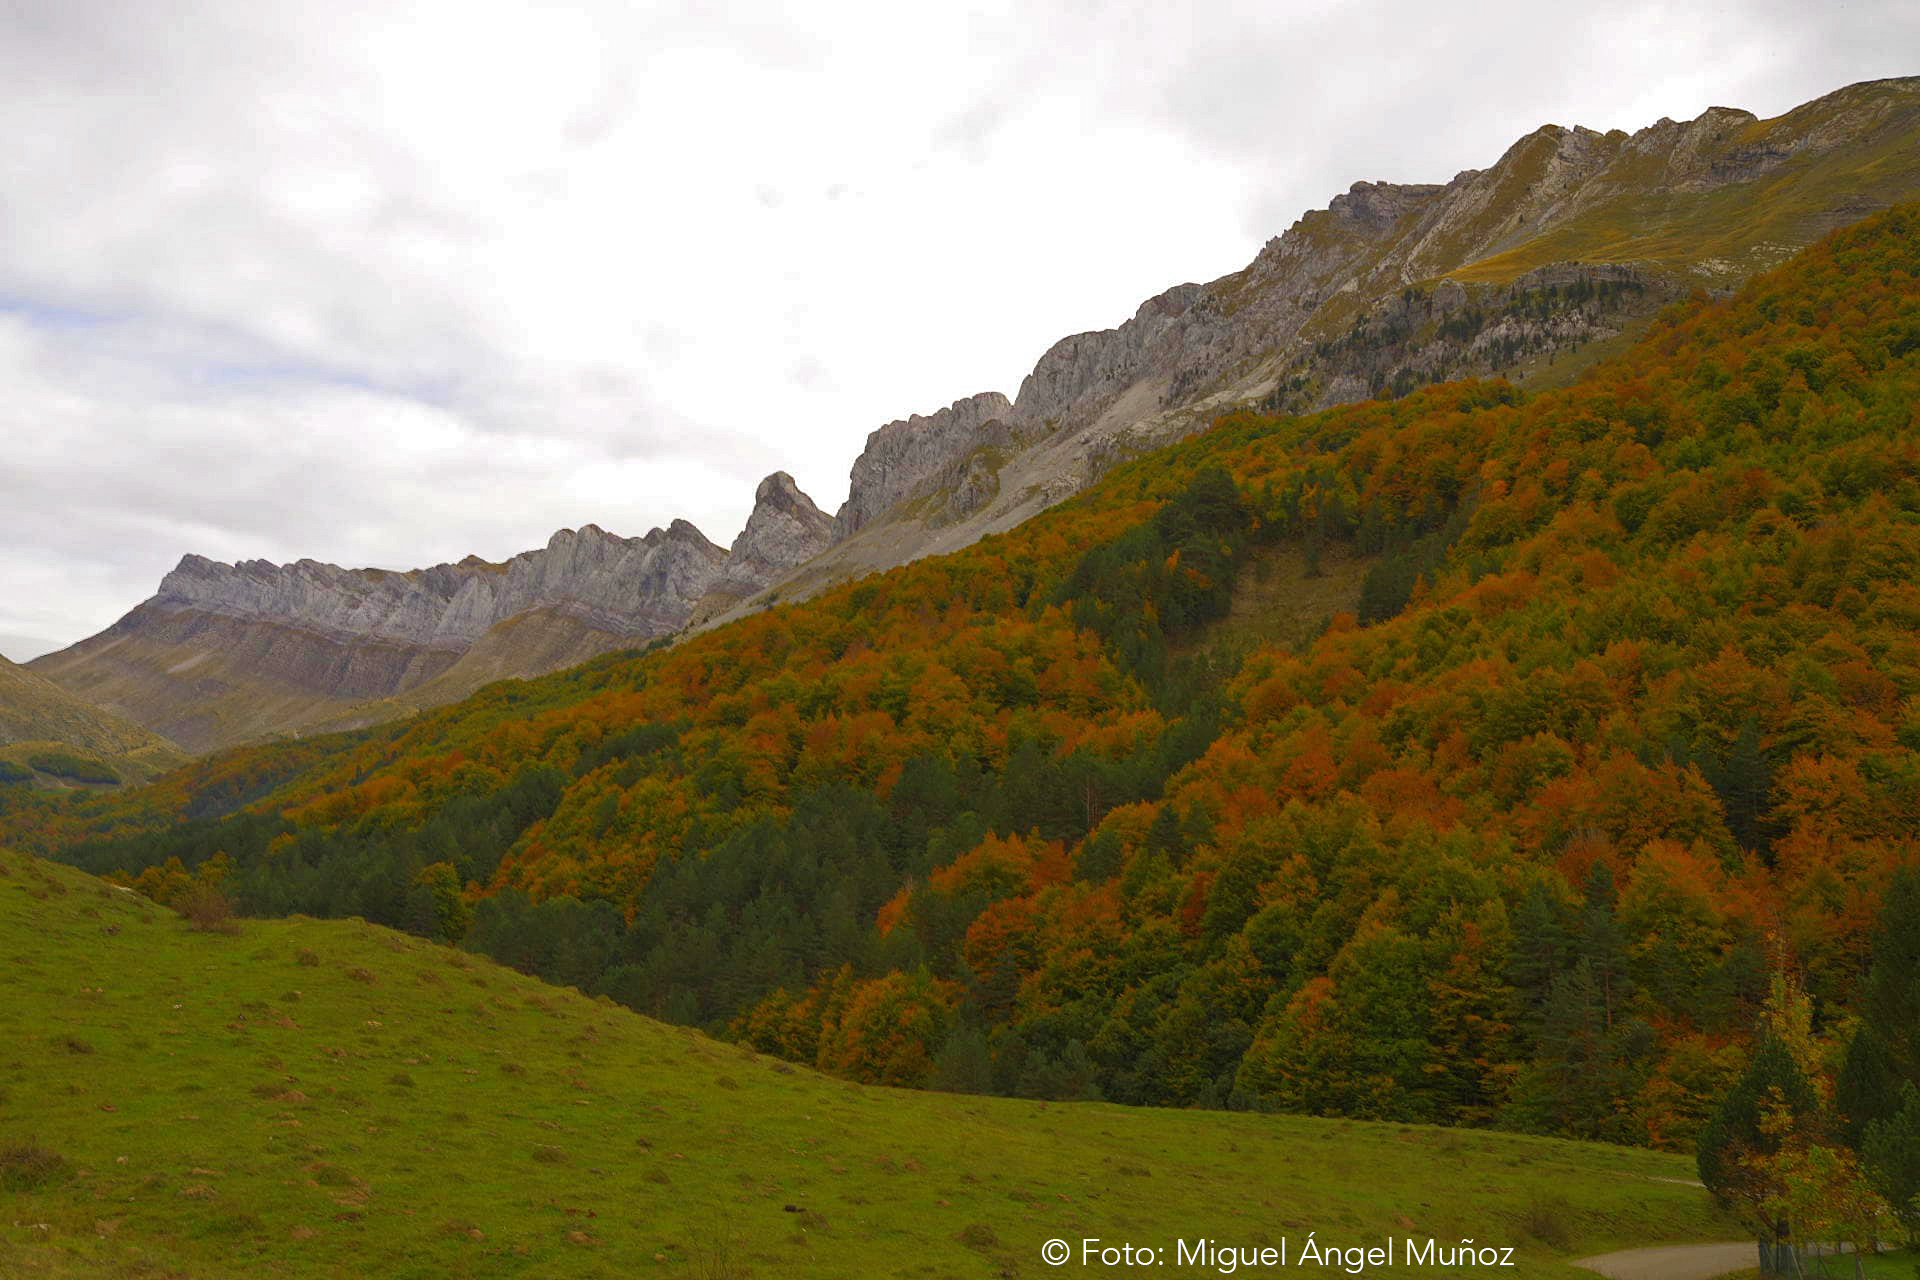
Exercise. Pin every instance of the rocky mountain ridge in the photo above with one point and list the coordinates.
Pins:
(900, 456)
(785, 530)
(224, 653)
(637, 586)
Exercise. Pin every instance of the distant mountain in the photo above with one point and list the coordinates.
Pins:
(42, 724)
(226, 653)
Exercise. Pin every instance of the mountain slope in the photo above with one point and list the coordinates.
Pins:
(37, 717)
(228, 653)
(1525, 269)
(1628, 685)
(1531, 269)
(316, 1099)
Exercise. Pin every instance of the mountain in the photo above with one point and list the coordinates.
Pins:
(307, 1098)
(1468, 758)
(39, 721)
(1529, 269)
(229, 653)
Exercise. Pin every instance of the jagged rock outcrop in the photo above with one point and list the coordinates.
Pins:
(1572, 238)
(785, 530)
(901, 456)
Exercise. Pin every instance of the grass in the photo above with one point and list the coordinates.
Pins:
(247, 1106)
(1897, 1264)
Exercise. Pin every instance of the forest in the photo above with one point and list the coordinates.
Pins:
(1624, 723)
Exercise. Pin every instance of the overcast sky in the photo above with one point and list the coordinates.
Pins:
(387, 284)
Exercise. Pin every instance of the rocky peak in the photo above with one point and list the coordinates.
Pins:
(785, 530)
(686, 531)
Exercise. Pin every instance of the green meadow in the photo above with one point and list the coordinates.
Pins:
(331, 1099)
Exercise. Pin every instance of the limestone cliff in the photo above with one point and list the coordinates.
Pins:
(901, 456)
(785, 530)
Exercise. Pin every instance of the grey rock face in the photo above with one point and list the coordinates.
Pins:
(785, 530)
(1080, 374)
(901, 456)
(631, 586)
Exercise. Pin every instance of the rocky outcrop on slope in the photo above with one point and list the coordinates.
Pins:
(785, 530)
(902, 456)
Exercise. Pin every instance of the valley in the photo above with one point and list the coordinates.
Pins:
(1418, 738)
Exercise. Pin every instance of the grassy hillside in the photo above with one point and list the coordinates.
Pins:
(305, 1098)
(38, 719)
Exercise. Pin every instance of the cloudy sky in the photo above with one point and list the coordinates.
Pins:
(387, 283)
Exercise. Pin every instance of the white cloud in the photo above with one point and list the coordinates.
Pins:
(388, 284)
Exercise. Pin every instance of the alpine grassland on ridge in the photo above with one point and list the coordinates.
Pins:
(1624, 704)
(332, 1099)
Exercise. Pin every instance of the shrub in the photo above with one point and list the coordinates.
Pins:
(205, 908)
(27, 1166)
(977, 1235)
(11, 772)
(1548, 1219)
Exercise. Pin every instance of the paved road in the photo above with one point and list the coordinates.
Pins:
(1676, 1262)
